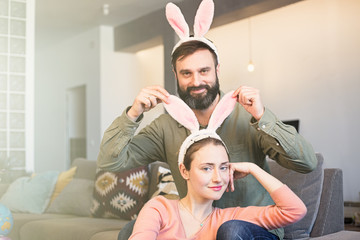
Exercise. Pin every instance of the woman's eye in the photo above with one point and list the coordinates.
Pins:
(206, 169)
(224, 168)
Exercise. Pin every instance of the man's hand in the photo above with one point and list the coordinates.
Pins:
(146, 100)
(249, 98)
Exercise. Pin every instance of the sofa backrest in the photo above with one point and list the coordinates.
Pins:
(86, 169)
(330, 218)
(308, 187)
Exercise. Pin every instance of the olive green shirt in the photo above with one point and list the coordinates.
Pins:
(246, 140)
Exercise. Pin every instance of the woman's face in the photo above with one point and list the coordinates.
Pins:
(209, 172)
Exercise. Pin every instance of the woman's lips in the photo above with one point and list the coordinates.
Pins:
(216, 188)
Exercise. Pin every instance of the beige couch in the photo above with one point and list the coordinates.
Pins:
(323, 221)
(48, 226)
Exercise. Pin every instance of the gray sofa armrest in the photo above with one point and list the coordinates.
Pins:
(330, 217)
(3, 188)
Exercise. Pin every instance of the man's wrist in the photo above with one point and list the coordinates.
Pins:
(132, 116)
(259, 116)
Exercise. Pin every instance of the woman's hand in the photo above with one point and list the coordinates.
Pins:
(238, 170)
(242, 169)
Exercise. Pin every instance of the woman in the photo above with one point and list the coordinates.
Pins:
(208, 173)
(204, 164)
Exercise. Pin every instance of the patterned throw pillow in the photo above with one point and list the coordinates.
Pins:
(166, 185)
(120, 194)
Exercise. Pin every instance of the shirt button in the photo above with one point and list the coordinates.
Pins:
(277, 144)
(258, 128)
(263, 126)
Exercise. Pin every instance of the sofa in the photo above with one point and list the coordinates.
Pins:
(73, 215)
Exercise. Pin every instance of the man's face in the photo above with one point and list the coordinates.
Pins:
(197, 80)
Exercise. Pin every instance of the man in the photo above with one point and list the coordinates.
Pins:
(250, 132)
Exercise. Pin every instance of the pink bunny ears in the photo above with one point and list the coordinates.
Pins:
(183, 114)
(202, 23)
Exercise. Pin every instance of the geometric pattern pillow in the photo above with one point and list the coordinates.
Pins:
(165, 184)
(120, 194)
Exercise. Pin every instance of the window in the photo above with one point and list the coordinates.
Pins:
(16, 85)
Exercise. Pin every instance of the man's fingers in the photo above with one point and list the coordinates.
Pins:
(160, 94)
(153, 101)
(248, 98)
(246, 95)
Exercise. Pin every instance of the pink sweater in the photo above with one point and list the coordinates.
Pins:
(160, 218)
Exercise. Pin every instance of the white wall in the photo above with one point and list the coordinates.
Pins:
(59, 66)
(112, 82)
(118, 71)
(306, 56)
(151, 63)
(307, 67)
(123, 75)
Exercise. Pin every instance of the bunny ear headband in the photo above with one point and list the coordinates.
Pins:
(183, 114)
(203, 20)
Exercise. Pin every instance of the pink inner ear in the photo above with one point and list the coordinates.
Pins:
(222, 110)
(203, 18)
(176, 20)
(182, 113)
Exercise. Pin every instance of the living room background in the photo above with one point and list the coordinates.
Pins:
(306, 58)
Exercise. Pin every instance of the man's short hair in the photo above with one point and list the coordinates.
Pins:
(188, 48)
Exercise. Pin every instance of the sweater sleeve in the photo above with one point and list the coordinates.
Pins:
(115, 138)
(149, 221)
(121, 149)
(284, 144)
(288, 209)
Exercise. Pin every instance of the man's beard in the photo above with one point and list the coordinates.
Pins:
(199, 102)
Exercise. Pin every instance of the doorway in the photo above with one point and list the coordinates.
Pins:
(76, 123)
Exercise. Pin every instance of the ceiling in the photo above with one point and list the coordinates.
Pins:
(58, 19)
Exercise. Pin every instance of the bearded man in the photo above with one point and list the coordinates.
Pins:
(251, 132)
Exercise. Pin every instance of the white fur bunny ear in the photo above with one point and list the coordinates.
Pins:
(222, 110)
(182, 113)
(203, 18)
(176, 20)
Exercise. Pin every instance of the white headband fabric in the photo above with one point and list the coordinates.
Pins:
(202, 23)
(183, 114)
(196, 137)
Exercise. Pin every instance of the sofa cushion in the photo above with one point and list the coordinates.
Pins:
(308, 187)
(69, 228)
(165, 183)
(63, 180)
(30, 194)
(120, 194)
(21, 219)
(75, 198)
(153, 168)
(85, 168)
(341, 235)
(3, 188)
(330, 217)
(105, 235)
